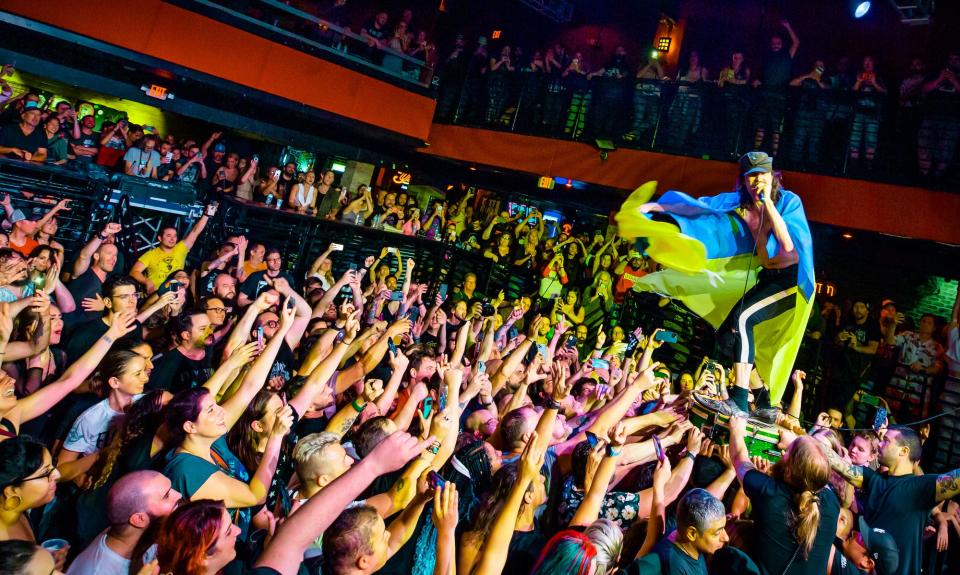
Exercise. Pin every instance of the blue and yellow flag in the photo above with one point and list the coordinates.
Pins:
(710, 265)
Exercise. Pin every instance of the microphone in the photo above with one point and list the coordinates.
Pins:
(760, 195)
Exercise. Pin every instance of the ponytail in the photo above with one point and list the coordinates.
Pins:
(805, 520)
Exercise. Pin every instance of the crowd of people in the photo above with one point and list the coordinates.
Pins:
(806, 112)
(230, 417)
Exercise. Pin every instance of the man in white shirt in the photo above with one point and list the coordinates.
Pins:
(134, 502)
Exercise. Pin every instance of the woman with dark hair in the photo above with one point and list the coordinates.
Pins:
(35, 372)
(14, 411)
(796, 490)
(26, 558)
(44, 270)
(123, 374)
(527, 540)
(202, 465)
(28, 480)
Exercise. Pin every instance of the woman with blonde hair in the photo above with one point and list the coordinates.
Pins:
(794, 510)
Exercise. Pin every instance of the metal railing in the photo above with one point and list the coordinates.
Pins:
(835, 132)
(304, 31)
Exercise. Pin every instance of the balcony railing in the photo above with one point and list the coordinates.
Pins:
(833, 132)
(304, 31)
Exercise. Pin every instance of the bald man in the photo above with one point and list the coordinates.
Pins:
(134, 502)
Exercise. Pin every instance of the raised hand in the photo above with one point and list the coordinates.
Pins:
(111, 229)
(694, 441)
(531, 460)
(446, 511)
(288, 314)
(243, 354)
(561, 383)
(395, 451)
(266, 300)
(122, 324)
(661, 475)
(283, 421)
(372, 389)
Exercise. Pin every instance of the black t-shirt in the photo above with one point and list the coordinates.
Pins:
(256, 283)
(283, 365)
(13, 137)
(525, 548)
(86, 285)
(777, 69)
(900, 506)
(84, 335)
(175, 372)
(856, 364)
(374, 32)
(774, 542)
(91, 140)
(667, 559)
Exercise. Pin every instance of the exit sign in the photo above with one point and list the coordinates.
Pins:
(546, 183)
(157, 91)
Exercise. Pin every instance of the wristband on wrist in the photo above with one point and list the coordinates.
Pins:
(102, 237)
(356, 407)
(552, 403)
(613, 451)
(692, 456)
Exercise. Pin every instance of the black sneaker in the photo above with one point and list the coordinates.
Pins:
(723, 407)
(766, 415)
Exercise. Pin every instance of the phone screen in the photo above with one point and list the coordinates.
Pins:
(443, 291)
(260, 336)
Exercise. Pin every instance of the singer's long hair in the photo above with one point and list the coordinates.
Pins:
(746, 200)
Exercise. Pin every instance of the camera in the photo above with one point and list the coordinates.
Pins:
(487, 309)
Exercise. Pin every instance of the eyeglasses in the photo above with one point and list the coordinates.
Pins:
(127, 296)
(272, 324)
(20, 480)
(217, 309)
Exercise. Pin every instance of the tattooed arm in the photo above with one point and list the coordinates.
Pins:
(852, 473)
(948, 485)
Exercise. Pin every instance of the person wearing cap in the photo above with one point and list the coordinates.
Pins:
(713, 247)
(212, 162)
(629, 270)
(898, 501)
(25, 141)
(859, 549)
(21, 233)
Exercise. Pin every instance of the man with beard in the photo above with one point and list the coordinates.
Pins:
(89, 284)
(153, 266)
(259, 282)
(212, 161)
(190, 364)
(26, 140)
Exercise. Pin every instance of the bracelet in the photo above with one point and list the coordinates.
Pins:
(102, 237)
(692, 456)
(553, 403)
(434, 448)
(613, 451)
(357, 408)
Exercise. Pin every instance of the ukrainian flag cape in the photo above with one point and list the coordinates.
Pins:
(710, 264)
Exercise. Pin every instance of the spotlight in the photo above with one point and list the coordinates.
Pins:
(654, 54)
(847, 236)
(859, 8)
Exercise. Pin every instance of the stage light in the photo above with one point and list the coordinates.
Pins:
(859, 8)
(663, 43)
(654, 55)
(847, 236)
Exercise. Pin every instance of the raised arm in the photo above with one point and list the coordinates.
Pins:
(493, 555)
(42, 400)
(197, 229)
(285, 551)
(589, 510)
